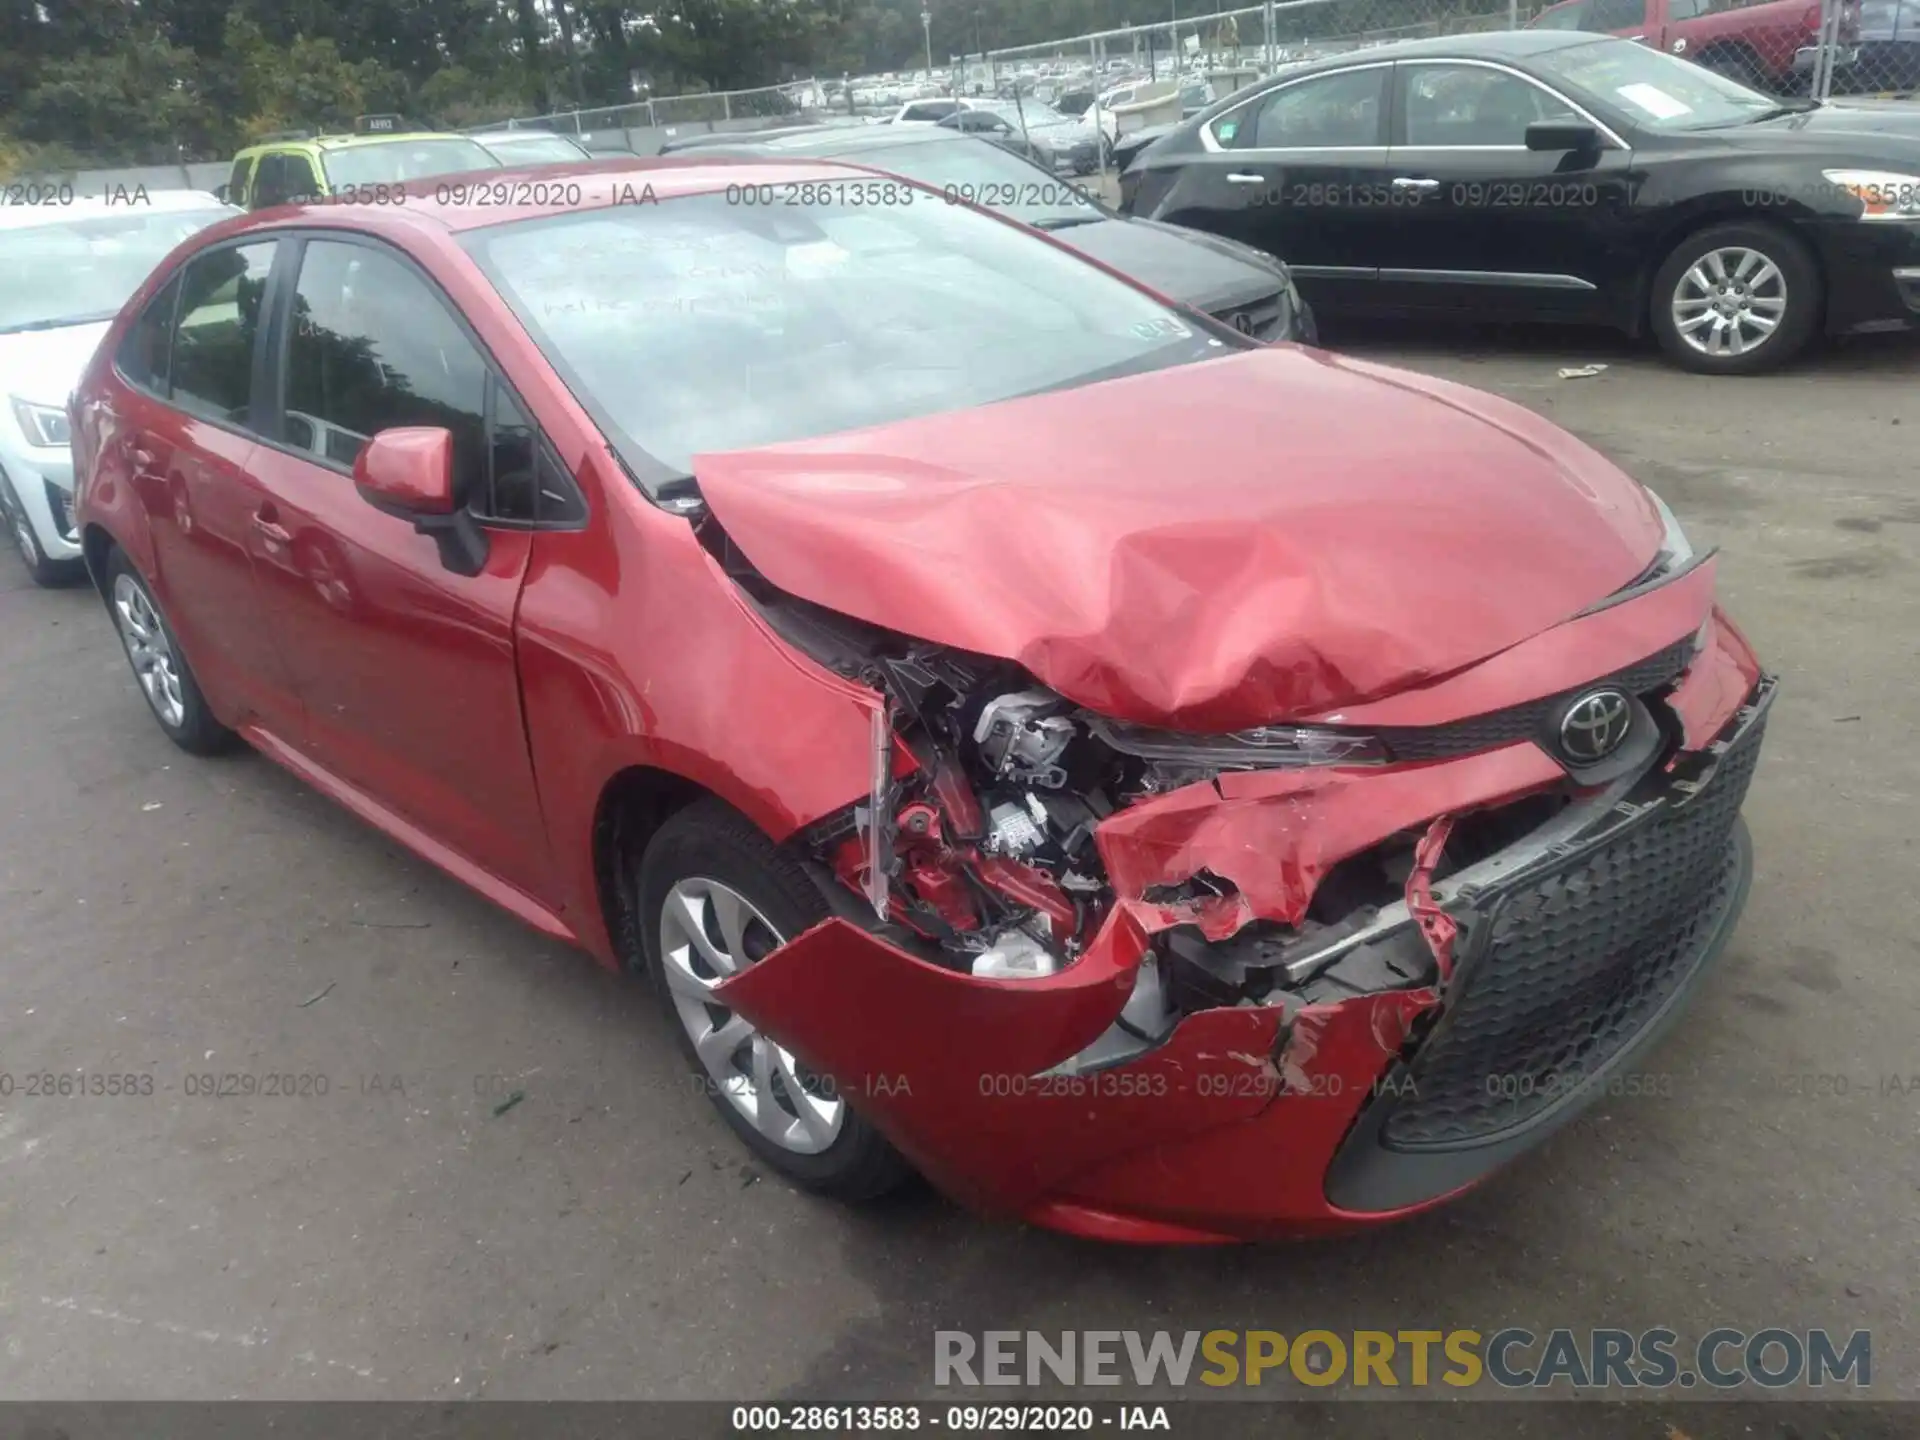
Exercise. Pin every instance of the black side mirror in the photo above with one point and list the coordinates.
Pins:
(220, 192)
(1575, 135)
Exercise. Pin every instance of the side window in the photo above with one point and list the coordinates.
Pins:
(1457, 105)
(1563, 17)
(1686, 9)
(237, 181)
(372, 346)
(305, 179)
(219, 310)
(1334, 111)
(512, 459)
(273, 182)
(1607, 16)
(142, 356)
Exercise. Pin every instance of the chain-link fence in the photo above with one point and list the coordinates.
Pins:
(1143, 76)
(1868, 47)
(768, 101)
(640, 125)
(1820, 48)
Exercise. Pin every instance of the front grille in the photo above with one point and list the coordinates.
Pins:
(1263, 320)
(1575, 965)
(1526, 720)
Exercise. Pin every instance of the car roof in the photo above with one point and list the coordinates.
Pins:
(1486, 44)
(508, 137)
(528, 192)
(348, 142)
(84, 207)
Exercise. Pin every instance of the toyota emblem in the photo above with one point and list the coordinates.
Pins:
(1595, 725)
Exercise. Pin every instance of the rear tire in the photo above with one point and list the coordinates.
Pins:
(1736, 299)
(159, 667)
(716, 895)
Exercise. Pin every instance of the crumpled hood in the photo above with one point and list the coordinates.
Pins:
(1223, 544)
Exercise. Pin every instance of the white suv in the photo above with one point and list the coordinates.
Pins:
(67, 264)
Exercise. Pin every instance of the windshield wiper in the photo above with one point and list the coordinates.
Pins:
(1772, 112)
(59, 322)
(1066, 222)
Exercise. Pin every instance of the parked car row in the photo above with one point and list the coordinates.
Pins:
(1029, 731)
(1238, 285)
(1550, 175)
(65, 271)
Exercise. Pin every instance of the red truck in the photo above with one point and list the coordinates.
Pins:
(1768, 44)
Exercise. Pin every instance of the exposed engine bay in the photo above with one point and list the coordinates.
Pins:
(976, 849)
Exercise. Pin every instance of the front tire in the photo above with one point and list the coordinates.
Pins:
(1736, 299)
(172, 693)
(715, 896)
(45, 571)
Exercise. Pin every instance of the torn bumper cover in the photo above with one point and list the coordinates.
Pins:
(1361, 1079)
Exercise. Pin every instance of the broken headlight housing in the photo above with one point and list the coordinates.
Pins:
(1269, 747)
(1675, 549)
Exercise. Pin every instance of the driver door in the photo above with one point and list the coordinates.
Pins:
(407, 669)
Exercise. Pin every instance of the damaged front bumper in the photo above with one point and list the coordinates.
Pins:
(1377, 1074)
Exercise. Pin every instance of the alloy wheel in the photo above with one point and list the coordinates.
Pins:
(1729, 301)
(149, 650)
(708, 932)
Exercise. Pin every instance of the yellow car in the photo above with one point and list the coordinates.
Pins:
(380, 158)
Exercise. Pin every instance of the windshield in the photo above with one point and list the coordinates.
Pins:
(697, 325)
(532, 149)
(79, 270)
(395, 160)
(982, 173)
(1655, 90)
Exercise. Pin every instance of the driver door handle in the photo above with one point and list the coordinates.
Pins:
(266, 522)
(1405, 184)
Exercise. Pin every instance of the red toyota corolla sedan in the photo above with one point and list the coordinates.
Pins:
(1156, 785)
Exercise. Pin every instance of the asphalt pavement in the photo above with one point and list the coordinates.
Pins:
(388, 1220)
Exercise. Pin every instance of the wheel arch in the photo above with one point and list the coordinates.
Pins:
(96, 543)
(1723, 209)
(633, 804)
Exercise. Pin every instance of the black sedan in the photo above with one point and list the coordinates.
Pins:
(1235, 283)
(1561, 176)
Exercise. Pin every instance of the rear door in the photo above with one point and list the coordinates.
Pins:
(406, 668)
(1300, 171)
(186, 432)
(1497, 227)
